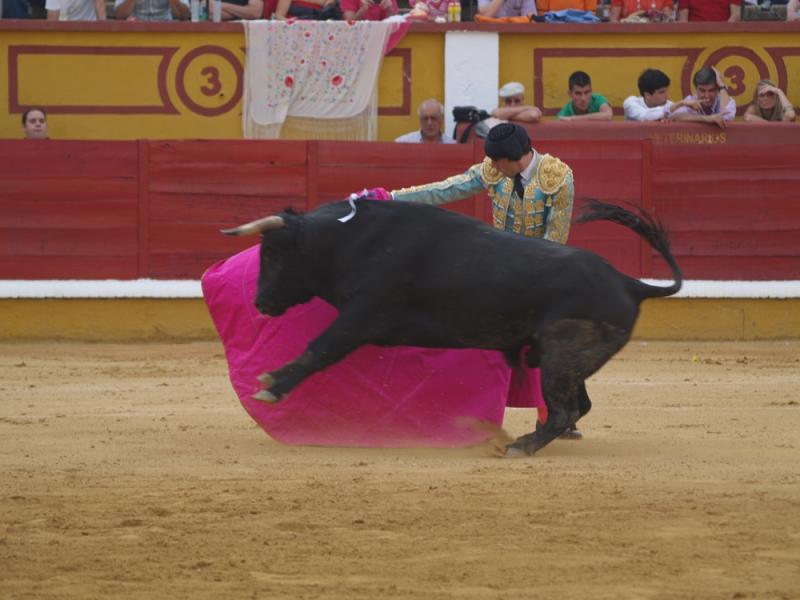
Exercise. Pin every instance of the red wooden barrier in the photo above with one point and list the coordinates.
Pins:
(69, 210)
(124, 210)
(733, 211)
(737, 132)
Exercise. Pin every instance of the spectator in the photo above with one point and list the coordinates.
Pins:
(585, 105)
(15, 9)
(793, 10)
(307, 9)
(546, 6)
(653, 103)
(368, 10)
(152, 10)
(711, 104)
(34, 124)
(710, 10)
(506, 8)
(428, 9)
(247, 10)
(76, 10)
(769, 104)
(622, 9)
(514, 108)
(431, 119)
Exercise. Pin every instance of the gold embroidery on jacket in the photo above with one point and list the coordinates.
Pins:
(490, 175)
(551, 174)
(528, 218)
(525, 217)
(551, 178)
(560, 216)
(519, 214)
(501, 196)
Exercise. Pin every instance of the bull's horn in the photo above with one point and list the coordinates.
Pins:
(258, 226)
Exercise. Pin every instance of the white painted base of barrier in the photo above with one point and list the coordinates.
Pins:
(107, 288)
(184, 288)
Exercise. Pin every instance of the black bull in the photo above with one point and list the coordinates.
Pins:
(414, 275)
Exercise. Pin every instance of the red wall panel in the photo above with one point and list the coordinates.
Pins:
(733, 211)
(609, 170)
(154, 209)
(194, 187)
(68, 210)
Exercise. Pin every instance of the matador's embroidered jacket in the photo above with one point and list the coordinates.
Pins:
(546, 210)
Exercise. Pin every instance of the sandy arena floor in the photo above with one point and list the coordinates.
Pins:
(131, 471)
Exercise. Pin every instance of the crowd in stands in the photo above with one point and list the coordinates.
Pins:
(635, 11)
(709, 104)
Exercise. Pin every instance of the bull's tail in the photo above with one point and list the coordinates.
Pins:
(647, 227)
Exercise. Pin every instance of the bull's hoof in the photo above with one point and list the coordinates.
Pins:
(266, 379)
(571, 433)
(513, 451)
(524, 446)
(497, 449)
(266, 396)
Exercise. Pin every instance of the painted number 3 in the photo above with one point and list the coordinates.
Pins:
(735, 75)
(213, 85)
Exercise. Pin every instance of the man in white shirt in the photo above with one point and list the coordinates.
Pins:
(653, 104)
(75, 10)
(431, 120)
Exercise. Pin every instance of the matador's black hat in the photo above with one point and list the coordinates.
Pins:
(507, 140)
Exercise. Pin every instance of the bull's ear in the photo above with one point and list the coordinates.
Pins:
(259, 226)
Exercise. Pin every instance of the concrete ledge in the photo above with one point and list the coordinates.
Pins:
(142, 319)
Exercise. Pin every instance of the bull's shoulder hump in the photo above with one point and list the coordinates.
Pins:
(489, 173)
(552, 174)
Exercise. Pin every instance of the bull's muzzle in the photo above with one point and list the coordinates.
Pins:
(258, 226)
(269, 310)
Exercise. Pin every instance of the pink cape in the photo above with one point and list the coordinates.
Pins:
(390, 397)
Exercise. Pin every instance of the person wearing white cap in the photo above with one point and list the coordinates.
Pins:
(512, 96)
(506, 8)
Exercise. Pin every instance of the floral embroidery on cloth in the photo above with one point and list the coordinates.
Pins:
(312, 69)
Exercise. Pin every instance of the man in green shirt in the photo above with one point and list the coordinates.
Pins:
(584, 105)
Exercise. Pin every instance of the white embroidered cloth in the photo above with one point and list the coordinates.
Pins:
(310, 69)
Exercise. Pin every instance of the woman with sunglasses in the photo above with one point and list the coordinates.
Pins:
(769, 104)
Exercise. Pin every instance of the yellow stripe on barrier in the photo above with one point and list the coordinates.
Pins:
(140, 319)
(101, 319)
